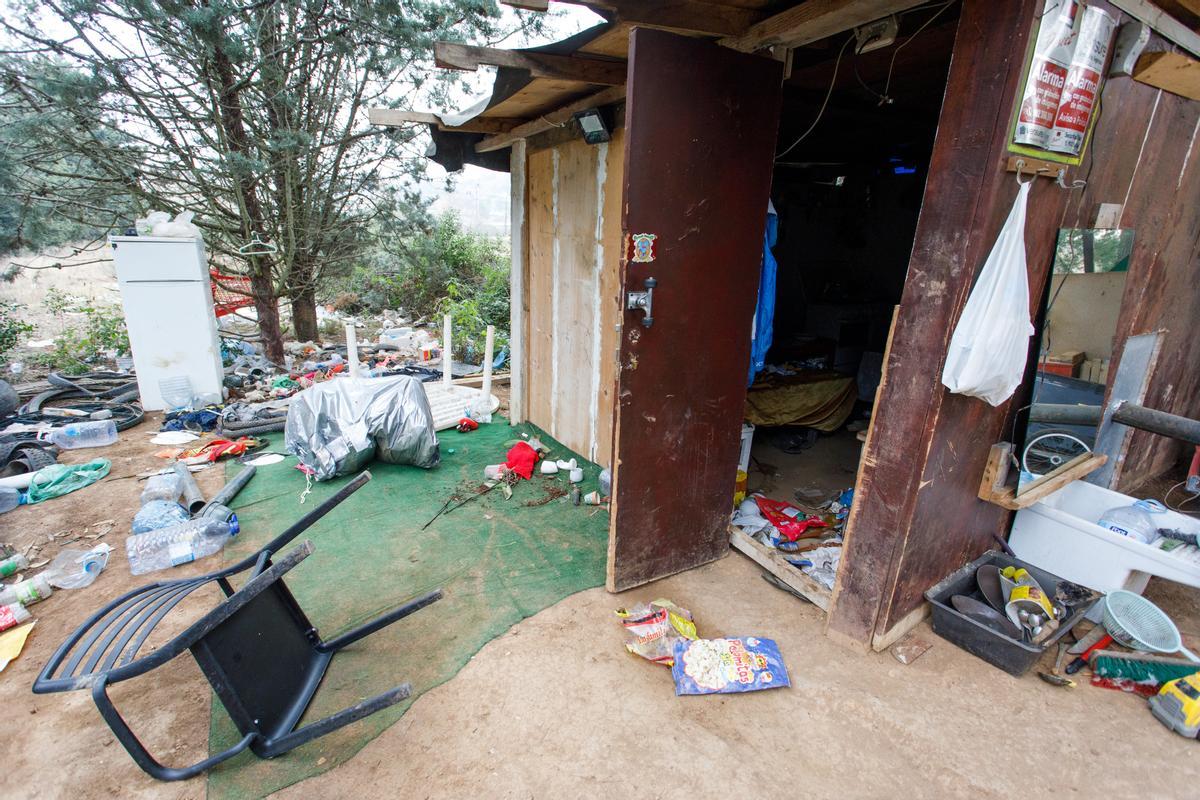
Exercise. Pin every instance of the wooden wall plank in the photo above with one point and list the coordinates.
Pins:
(540, 322)
(518, 399)
(610, 302)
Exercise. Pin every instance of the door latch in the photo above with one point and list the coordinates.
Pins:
(643, 300)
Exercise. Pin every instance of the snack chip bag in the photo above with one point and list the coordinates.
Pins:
(654, 628)
(726, 666)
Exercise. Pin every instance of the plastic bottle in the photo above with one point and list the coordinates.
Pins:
(12, 615)
(162, 487)
(75, 569)
(605, 482)
(99, 433)
(1135, 521)
(27, 592)
(158, 514)
(178, 544)
(12, 565)
(10, 498)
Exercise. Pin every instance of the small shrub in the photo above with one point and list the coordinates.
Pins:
(78, 350)
(12, 327)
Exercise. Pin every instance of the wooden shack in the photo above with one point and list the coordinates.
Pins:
(713, 107)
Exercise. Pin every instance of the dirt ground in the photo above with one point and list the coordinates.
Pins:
(556, 707)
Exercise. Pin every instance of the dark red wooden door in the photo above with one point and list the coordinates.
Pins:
(700, 137)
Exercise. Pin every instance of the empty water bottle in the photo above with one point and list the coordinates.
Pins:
(1136, 521)
(162, 487)
(83, 434)
(10, 498)
(75, 569)
(27, 592)
(13, 564)
(159, 514)
(178, 544)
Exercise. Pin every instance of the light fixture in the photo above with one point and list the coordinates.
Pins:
(591, 122)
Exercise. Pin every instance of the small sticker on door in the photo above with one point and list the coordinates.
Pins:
(641, 247)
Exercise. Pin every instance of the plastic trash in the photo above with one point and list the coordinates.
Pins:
(77, 435)
(178, 544)
(549, 468)
(725, 666)
(605, 482)
(59, 479)
(12, 565)
(1136, 521)
(653, 628)
(176, 392)
(576, 475)
(162, 487)
(75, 569)
(12, 615)
(158, 514)
(10, 498)
(27, 592)
(990, 344)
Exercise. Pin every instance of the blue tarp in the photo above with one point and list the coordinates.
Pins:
(764, 314)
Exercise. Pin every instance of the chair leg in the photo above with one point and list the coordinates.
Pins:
(349, 637)
(274, 747)
(139, 753)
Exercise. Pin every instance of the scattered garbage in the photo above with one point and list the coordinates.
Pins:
(1137, 521)
(13, 564)
(76, 569)
(653, 629)
(12, 615)
(178, 544)
(10, 498)
(910, 648)
(158, 514)
(77, 435)
(162, 487)
(12, 641)
(727, 666)
(521, 458)
(160, 223)
(27, 592)
(59, 479)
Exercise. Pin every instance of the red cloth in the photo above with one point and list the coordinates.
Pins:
(790, 526)
(521, 459)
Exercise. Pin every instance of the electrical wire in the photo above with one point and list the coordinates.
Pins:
(1179, 509)
(885, 98)
(824, 104)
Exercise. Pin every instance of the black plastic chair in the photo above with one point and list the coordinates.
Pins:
(259, 651)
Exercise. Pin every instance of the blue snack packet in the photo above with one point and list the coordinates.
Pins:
(726, 666)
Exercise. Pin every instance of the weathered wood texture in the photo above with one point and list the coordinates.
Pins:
(574, 259)
(916, 516)
(702, 126)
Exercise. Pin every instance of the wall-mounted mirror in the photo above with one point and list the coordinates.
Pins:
(1076, 345)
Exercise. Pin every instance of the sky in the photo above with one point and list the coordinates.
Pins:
(481, 196)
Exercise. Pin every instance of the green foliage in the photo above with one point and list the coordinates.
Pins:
(12, 327)
(81, 349)
(330, 328)
(447, 270)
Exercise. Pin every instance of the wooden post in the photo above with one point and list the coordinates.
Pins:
(517, 285)
(447, 358)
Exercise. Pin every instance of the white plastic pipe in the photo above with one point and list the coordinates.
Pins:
(447, 359)
(352, 351)
(21, 481)
(487, 366)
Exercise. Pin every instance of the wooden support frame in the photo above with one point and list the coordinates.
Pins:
(604, 72)
(994, 487)
(395, 118)
(551, 120)
(815, 20)
(1162, 22)
(683, 16)
(774, 562)
(1171, 72)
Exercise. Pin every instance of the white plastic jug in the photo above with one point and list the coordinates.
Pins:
(1135, 521)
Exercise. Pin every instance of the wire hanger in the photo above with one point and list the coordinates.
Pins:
(1061, 180)
(257, 247)
(1020, 166)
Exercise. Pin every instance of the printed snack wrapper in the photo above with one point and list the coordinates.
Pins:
(653, 629)
(727, 666)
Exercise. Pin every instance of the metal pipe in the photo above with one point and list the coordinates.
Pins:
(231, 489)
(1065, 414)
(1160, 422)
(193, 498)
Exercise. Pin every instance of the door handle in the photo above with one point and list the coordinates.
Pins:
(643, 300)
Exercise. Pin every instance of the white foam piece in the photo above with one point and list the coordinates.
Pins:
(450, 403)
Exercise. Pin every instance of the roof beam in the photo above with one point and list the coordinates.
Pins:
(1166, 25)
(814, 20)
(688, 16)
(552, 119)
(451, 55)
(528, 5)
(395, 118)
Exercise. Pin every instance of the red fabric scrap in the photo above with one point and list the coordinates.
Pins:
(790, 526)
(520, 459)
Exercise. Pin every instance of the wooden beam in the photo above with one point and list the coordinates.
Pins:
(527, 5)
(394, 118)
(685, 16)
(774, 562)
(1162, 22)
(991, 490)
(451, 55)
(551, 120)
(814, 20)
(1172, 72)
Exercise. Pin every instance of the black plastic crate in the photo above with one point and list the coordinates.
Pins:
(1011, 655)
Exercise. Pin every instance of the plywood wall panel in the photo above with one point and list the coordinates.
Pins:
(609, 299)
(540, 323)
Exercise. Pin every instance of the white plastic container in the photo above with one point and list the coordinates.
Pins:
(747, 441)
(1060, 534)
(27, 592)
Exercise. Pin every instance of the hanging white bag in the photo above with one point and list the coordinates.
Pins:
(990, 345)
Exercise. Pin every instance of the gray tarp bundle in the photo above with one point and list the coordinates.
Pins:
(337, 427)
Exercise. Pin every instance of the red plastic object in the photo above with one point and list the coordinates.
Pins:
(230, 292)
(466, 425)
(520, 459)
(789, 527)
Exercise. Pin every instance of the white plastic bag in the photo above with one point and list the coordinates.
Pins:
(989, 347)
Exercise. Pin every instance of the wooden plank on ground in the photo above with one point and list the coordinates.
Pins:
(773, 561)
(1171, 72)
(552, 119)
(606, 72)
(814, 20)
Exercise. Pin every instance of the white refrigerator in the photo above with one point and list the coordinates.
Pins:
(168, 305)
